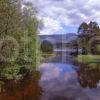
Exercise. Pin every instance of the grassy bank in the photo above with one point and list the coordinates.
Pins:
(92, 61)
(88, 58)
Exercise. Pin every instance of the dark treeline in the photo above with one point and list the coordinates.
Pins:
(89, 37)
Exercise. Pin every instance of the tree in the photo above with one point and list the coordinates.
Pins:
(94, 28)
(83, 28)
(83, 36)
(29, 41)
(19, 45)
(46, 47)
(86, 32)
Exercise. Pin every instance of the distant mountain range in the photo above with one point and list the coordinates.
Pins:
(59, 38)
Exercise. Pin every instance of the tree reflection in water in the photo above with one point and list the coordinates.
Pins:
(26, 89)
(88, 77)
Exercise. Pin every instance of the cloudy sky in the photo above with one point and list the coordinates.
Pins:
(64, 16)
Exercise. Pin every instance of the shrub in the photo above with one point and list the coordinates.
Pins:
(46, 47)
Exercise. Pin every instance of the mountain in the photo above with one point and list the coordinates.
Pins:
(59, 38)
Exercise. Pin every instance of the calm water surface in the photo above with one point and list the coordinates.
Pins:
(55, 80)
(62, 81)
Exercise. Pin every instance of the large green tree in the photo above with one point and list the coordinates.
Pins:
(83, 36)
(86, 32)
(94, 28)
(19, 45)
(83, 28)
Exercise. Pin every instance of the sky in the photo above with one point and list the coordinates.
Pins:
(65, 16)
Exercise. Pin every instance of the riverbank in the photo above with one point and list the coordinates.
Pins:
(92, 61)
(88, 58)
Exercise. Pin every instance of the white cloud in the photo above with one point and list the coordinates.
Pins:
(50, 71)
(50, 25)
(68, 12)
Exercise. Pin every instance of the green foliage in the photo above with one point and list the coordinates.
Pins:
(83, 28)
(19, 43)
(86, 32)
(11, 72)
(98, 47)
(89, 29)
(46, 47)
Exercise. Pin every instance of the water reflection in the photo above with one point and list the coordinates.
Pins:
(54, 81)
(26, 89)
(62, 81)
(88, 76)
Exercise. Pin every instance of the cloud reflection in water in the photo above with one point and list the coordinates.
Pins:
(59, 82)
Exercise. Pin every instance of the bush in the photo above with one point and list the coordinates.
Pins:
(46, 47)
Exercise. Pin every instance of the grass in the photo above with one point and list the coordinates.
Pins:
(98, 47)
(48, 54)
(92, 61)
(88, 58)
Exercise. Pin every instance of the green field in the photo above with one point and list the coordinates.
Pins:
(91, 61)
(88, 58)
